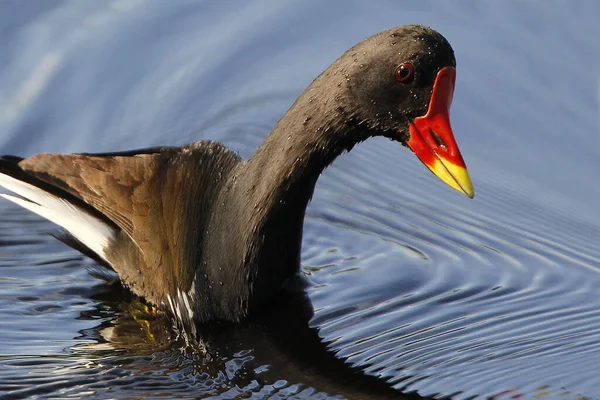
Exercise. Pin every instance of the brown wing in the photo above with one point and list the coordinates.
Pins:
(117, 186)
(158, 197)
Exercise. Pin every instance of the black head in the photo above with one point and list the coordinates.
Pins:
(399, 84)
(391, 75)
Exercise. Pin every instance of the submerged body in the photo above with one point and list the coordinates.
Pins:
(210, 236)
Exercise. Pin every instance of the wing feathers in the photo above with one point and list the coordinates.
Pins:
(89, 230)
(142, 212)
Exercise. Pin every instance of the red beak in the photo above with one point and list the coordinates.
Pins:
(432, 140)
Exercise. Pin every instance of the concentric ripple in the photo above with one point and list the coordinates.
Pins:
(452, 301)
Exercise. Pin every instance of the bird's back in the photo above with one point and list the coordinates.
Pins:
(142, 213)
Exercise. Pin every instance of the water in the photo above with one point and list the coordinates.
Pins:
(403, 278)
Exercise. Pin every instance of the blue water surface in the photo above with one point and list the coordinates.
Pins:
(407, 280)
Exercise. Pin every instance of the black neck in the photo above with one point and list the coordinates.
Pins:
(260, 212)
(280, 178)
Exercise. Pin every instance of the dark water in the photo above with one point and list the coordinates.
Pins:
(407, 280)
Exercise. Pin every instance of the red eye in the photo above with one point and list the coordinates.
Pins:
(404, 72)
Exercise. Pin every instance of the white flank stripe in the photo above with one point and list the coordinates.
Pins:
(187, 304)
(89, 230)
(171, 303)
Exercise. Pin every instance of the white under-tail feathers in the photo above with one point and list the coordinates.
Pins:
(89, 230)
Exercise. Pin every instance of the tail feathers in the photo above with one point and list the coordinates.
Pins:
(76, 244)
(74, 216)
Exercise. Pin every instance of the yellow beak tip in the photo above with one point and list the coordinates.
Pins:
(454, 176)
(470, 193)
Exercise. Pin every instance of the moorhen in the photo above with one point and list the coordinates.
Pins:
(201, 232)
